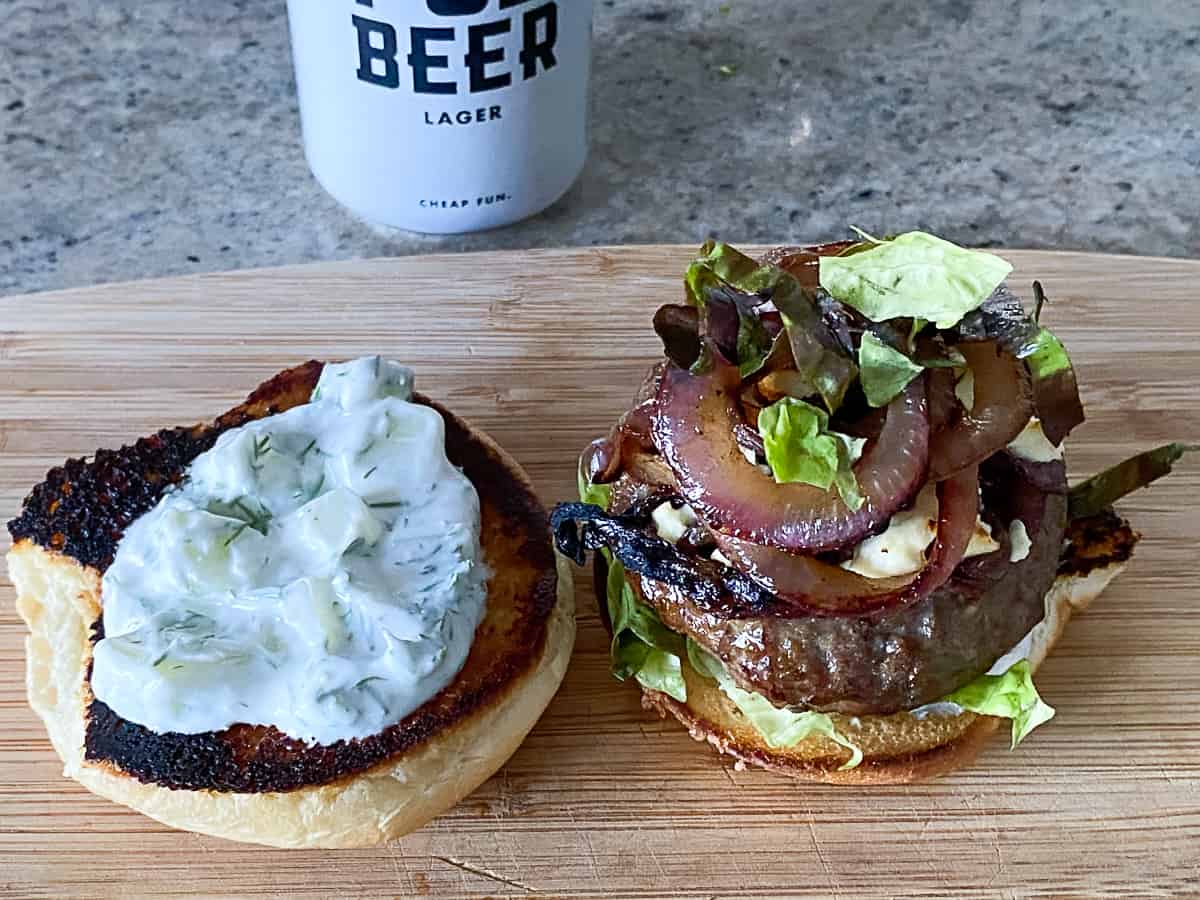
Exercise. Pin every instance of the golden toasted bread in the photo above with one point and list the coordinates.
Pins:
(252, 782)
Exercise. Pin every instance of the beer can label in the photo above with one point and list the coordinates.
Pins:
(443, 115)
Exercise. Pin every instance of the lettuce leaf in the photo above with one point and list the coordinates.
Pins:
(816, 351)
(717, 259)
(800, 448)
(598, 494)
(642, 646)
(1046, 355)
(662, 672)
(884, 371)
(1010, 696)
(706, 281)
(1100, 491)
(779, 727)
(914, 275)
(703, 662)
(638, 632)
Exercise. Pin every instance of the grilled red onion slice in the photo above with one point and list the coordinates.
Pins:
(1002, 319)
(600, 463)
(694, 429)
(1003, 405)
(814, 587)
(603, 459)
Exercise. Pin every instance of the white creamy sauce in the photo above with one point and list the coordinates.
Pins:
(718, 556)
(1019, 542)
(672, 522)
(901, 548)
(319, 570)
(1033, 444)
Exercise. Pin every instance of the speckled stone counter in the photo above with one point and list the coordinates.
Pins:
(141, 139)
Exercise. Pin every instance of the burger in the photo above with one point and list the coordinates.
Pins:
(835, 535)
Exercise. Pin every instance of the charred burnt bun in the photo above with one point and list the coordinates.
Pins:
(817, 410)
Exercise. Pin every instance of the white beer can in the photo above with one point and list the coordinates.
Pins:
(443, 116)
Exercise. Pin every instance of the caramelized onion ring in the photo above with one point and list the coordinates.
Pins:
(811, 586)
(694, 429)
(604, 458)
(1003, 405)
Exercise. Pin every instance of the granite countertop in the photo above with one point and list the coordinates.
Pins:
(143, 139)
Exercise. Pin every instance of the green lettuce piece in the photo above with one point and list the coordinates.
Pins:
(703, 662)
(1055, 388)
(917, 326)
(849, 449)
(829, 372)
(662, 672)
(1046, 355)
(800, 448)
(628, 654)
(599, 494)
(720, 265)
(779, 727)
(1010, 696)
(914, 275)
(883, 371)
(1101, 491)
(723, 263)
(637, 630)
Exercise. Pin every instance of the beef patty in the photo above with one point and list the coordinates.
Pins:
(895, 659)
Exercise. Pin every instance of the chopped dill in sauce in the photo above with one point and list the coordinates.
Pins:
(318, 570)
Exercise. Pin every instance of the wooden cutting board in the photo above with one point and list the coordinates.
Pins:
(543, 350)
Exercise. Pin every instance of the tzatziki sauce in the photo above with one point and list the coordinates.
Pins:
(318, 570)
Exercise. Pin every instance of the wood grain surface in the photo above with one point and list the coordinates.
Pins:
(543, 350)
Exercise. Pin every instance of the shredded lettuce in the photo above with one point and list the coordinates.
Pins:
(729, 266)
(914, 275)
(884, 371)
(703, 662)
(662, 672)
(800, 448)
(779, 727)
(1010, 696)
(642, 646)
